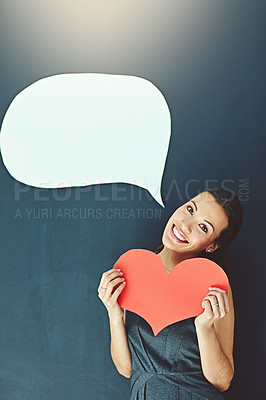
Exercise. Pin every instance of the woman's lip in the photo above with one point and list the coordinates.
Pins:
(176, 238)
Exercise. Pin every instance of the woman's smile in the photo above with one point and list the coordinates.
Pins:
(178, 235)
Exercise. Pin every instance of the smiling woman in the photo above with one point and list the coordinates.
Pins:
(192, 358)
(218, 205)
(196, 226)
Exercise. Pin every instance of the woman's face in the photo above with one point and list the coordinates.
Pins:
(194, 226)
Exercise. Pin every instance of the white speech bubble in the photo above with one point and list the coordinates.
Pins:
(84, 128)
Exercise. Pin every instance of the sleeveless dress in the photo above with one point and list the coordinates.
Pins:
(166, 366)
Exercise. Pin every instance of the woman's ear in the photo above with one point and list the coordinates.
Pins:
(212, 247)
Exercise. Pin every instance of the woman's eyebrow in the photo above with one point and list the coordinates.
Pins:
(210, 224)
(192, 201)
(194, 204)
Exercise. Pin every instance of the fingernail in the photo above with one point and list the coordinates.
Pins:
(121, 273)
(118, 269)
(124, 282)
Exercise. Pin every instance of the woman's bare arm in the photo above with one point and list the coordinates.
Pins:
(119, 346)
(111, 285)
(215, 332)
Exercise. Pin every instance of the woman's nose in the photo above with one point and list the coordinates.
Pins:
(185, 226)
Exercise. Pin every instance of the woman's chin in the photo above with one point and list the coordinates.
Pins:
(184, 248)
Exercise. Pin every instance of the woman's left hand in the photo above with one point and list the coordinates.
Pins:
(216, 306)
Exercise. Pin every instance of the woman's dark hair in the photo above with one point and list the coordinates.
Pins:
(234, 212)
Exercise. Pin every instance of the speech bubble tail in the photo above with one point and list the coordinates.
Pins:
(158, 198)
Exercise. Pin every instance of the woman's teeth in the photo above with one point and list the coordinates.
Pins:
(178, 235)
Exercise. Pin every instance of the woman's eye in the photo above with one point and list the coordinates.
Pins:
(190, 210)
(204, 228)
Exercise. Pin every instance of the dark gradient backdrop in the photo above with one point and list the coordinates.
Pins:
(208, 59)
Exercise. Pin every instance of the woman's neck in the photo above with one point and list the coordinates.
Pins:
(171, 258)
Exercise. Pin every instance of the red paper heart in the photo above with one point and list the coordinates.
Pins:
(161, 298)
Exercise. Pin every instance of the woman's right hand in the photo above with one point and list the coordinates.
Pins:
(111, 285)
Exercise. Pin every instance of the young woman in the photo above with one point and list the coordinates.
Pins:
(190, 359)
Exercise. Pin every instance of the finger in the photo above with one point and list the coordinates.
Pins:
(216, 288)
(221, 304)
(226, 302)
(106, 273)
(208, 310)
(111, 301)
(222, 300)
(105, 293)
(111, 285)
(214, 304)
(105, 277)
(110, 278)
(118, 290)
(211, 296)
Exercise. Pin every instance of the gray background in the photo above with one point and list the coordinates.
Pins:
(208, 59)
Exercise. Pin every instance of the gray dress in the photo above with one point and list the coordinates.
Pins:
(166, 366)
